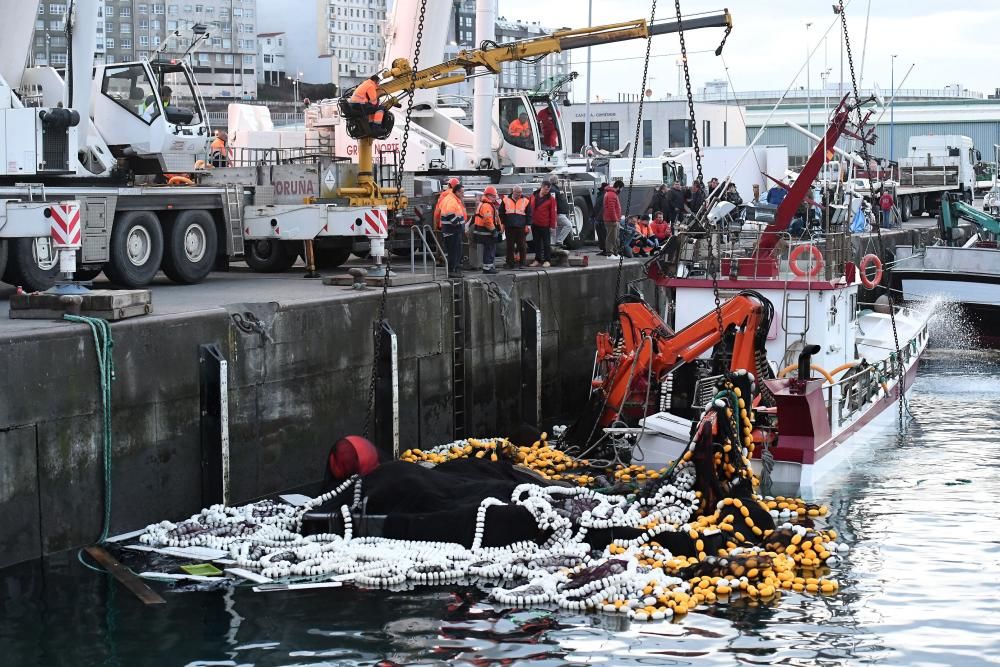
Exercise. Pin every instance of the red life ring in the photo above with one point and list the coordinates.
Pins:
(867, 261)
(798, 252)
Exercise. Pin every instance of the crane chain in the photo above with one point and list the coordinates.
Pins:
(690, 97)
(392, 220)
(692, 118)
(635, 144)
(878, 223)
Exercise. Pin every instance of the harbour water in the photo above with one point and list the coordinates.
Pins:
(919, 587)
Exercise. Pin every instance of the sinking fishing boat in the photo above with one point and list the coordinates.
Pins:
(967, 274)
(829, 365)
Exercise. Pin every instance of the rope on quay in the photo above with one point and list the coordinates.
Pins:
(103, 345)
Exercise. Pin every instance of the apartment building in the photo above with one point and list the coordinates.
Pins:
(271, 57)
(225, 64)
(354, 38)
(516, 76)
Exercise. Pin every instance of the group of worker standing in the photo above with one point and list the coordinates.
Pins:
(545, 212)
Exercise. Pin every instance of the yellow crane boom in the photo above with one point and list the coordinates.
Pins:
(401, 76)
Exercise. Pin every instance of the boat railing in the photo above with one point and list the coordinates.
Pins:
(850, 395)
(739, 246)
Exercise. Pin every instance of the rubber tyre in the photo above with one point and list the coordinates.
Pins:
(192, 241)
(331, 258)
(23, 269)
(86, 275)
(586, 230)
(3, 256)
(270, 256)
(140, 231)
(904, 209)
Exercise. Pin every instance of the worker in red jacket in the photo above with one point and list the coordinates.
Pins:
(659, 228)
(543, 221)
(611, 217)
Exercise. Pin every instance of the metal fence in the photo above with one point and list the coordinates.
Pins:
(220, 119)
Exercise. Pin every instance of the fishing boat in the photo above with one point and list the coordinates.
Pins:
(965, 273)
(789, 310)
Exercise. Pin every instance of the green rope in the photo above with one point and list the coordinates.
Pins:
(103, 344)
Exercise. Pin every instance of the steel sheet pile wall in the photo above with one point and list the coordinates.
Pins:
(295, 384)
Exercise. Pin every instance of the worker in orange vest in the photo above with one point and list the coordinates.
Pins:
(367, 93)
(452, 182)
(486, 227)
(520, 129)
(515, 215)
(451, 213)
(218, 155)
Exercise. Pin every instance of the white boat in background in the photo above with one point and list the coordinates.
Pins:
(968, 274)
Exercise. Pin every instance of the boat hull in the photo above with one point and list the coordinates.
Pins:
(790, 476)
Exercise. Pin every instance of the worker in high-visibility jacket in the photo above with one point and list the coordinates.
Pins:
(452, 182)
(367, 93)
(515, 214)
(519, 130)
(218, 154)
(486, 227)
(451, 213)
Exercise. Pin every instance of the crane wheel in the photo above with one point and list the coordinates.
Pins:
(85, 274)
(191, 242)
(331, 258)
(136, 249)
(270, 256)
(31, 264)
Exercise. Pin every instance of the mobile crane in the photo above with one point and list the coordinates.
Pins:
(401, 77)
(122, 141)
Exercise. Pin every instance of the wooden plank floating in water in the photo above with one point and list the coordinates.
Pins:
(125, 576)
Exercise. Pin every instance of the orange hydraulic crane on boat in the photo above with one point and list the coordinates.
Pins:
(646, 350)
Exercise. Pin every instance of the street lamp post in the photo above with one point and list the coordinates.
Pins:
(892, 104)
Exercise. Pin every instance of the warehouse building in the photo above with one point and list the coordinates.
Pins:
(978, 119)
(665, 125)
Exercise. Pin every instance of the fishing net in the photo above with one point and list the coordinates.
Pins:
(544, 527)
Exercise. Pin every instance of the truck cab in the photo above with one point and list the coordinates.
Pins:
(531, 128)
(150, 115)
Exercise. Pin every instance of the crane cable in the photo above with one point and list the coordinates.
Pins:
(635, 150)
(380, 316)
(878, 226)
(695, 144)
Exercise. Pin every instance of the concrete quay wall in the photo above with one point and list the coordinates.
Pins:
(292, 390)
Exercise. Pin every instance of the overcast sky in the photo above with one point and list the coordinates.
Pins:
(947, 42)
